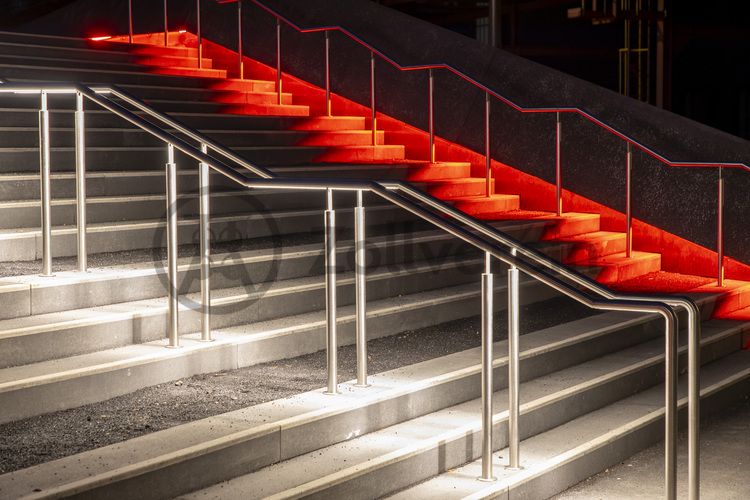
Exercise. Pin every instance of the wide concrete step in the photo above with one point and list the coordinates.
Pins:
(249, 439)
(118, 137)
(395, 305)
(25, 244)
(387, 460)
(553, 462)
(16, 160)
(95, 118)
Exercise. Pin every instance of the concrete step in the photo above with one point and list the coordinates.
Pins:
(24, 244)
(387, 460)
(617, 267)
(249, 439)
(396, 300)
(553, 462)
(118, 137)
(408, 170)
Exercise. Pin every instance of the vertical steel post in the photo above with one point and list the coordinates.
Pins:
(360, 276)
(372, 100)
(328, 73)
(628, 202)
(80, 184)
(239, 40)
(172, 292)
(432, 116)
(720, 230)
(694, 405)
(514, 330)
(130, 21)
(330, 270)
(558, 166)
(487, 147)
(166, 25)
(278, 61)
(670, 415)
(45, 188)
(200, 34)
(487, 359)
(205, 247)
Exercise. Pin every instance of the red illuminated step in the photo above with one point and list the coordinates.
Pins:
(593, 245)
(426, 171)
(453, 188)
(358, 154)
(618, 267)
(474, 205)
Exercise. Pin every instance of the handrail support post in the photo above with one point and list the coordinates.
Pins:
(487, 146)
(372, 100)
(199, 33)
(432, 114)
(628, 202)
(720, 230)
(166, 25)
(278, 62)
(205, 246)
(45, 187)
(558, 166)
(488, 290)
(514, 413)
(330, 287)
(172, 290)
(80, 152)
(241, 65)
(130, 21)
(360, 277)
(328, 71)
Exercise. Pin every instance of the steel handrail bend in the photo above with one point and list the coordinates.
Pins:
(384, 191)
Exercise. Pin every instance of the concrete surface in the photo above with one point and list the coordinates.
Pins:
(725, 465)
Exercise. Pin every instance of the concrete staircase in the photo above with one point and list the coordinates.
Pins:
(591, 388)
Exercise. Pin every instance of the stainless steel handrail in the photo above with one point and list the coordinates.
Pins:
(486, 241)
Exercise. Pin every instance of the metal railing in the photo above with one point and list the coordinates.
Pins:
(483, 237)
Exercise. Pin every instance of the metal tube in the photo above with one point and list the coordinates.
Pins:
(494, 28)
(372, 100)
(720, 230)
(558, 166)
(278, 60)
(628, 205)
(360, 275)
(670, 415)
(694, 364)
(432, 116)
(239, 40)
(487, 146)
(45, 188)
(200, 35)
(487, 358)
(80, 184)
(513, 369)
(328, 73)
(166, 25)
(330, 270)
(205, 247)
(130, 21)
(172, 293)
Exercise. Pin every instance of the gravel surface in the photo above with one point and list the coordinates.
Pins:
(40, 439)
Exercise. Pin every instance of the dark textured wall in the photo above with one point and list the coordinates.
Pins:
(682, 201)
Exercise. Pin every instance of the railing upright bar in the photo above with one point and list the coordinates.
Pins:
(45, 187)
(330, 273)
(199, 33)
(720, 230)
(432, 115)
(328, 72)
(166, 25)
(694, 408)
(172, 291)
(130, 21)
(628, 202)
(670, 415)
(360, 276)
(372, 100)
(487, 146)
(240, 63)
(80, 151)
(558, 166)
(488, 389)
(514, 381)
(278, 62)
(205, 246)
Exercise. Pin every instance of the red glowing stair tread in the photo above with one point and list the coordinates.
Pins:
(474, 205)
(663, 282)
(618, 267)
(596, 244)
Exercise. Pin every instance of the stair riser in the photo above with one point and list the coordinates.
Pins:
(102, 119)
(74, 340)
(491, 205)
(34, 40)
(153, 159)
(446, 191)
(580, 252)
(56, 296)
(134, 137)
(258, 451)
(629, 270)
(28, 246)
